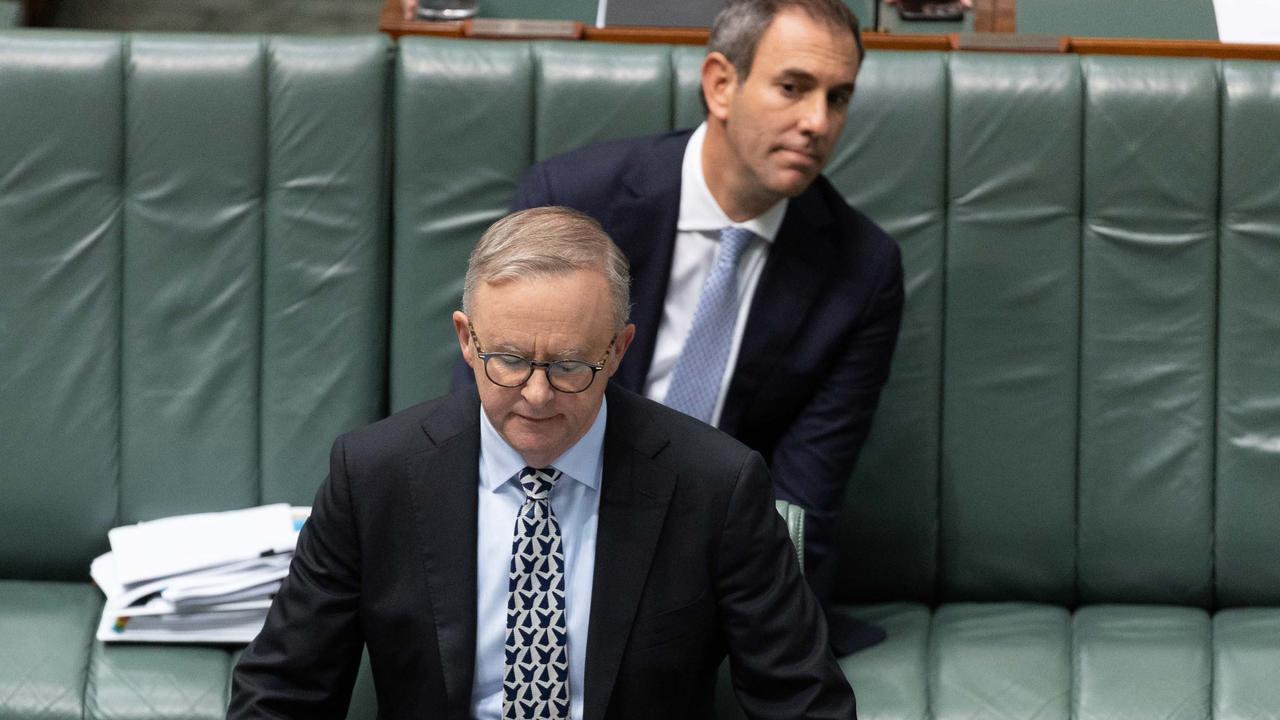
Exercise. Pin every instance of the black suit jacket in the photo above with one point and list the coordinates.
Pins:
(691, 560)
(820, 332)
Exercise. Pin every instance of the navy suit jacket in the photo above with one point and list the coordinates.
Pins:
(692, 560)
(822, 325)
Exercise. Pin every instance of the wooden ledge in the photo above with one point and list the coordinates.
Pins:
(392, 23)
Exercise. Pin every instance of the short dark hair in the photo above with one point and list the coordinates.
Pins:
(738, 28)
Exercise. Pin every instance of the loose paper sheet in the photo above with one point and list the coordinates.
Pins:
(161, 548)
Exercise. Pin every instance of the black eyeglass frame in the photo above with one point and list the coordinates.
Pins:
(545, 365)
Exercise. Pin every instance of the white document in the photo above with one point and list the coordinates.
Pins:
(257, 591)
(161, 548)
(232, 626)
(1248, 21)
(248, 579)
(142, 614)
(158, 606)
(206, 578)
(199, 587)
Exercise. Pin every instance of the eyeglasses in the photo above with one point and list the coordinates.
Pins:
(511, 371)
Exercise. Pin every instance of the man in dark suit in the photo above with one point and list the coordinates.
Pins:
(541, 545)
(818, 298)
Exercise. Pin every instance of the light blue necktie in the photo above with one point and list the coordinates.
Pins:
(695, 382)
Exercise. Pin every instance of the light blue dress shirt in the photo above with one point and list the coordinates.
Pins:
(575, 500)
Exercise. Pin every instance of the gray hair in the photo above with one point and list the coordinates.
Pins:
(738, 28)
(548, 241)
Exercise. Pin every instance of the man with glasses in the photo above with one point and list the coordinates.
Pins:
(543, 544)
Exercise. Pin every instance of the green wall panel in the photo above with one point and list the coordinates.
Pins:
(1166, 19)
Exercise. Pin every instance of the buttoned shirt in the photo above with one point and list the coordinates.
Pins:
(698, 227)
(575, 500)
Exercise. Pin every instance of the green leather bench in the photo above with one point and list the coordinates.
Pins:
(216, 253)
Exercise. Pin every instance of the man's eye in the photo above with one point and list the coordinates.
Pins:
(789, 88)
(570, 367)
(509, 361)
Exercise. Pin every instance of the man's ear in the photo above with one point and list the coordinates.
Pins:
(462, 326)
(719, 83)
(620, 345)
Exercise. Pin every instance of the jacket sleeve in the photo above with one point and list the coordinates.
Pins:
(304, 662)
(816, 454)
(781, 664)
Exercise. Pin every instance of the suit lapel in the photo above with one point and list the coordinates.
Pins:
(634, 496)
(443, 482)
(643, 224)
(793, 278)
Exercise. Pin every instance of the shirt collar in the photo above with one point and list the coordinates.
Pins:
(699, 211)
(500, 463)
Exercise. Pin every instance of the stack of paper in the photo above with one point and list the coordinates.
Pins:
(206, 578)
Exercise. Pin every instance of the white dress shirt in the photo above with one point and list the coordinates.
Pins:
(575, 500)
(697, 238)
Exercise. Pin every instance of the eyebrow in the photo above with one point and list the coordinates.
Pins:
(795, 74)
(509, 349)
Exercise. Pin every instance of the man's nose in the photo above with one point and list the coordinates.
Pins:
(816, 116)
(538, 391)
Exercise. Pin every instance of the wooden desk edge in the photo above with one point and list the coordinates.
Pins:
(391, 23)
(1173, 48)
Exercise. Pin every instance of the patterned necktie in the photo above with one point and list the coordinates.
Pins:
(695, 382)
(536, 671)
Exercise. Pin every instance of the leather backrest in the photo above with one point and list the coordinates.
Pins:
(194, 275)
(1247, 438)
(1106, 429)
(1149, 254)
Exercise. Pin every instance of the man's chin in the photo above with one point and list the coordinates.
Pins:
(535, 440)
(791, 183)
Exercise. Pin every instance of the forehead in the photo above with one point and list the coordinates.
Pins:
(797, 43)
(562, 308)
